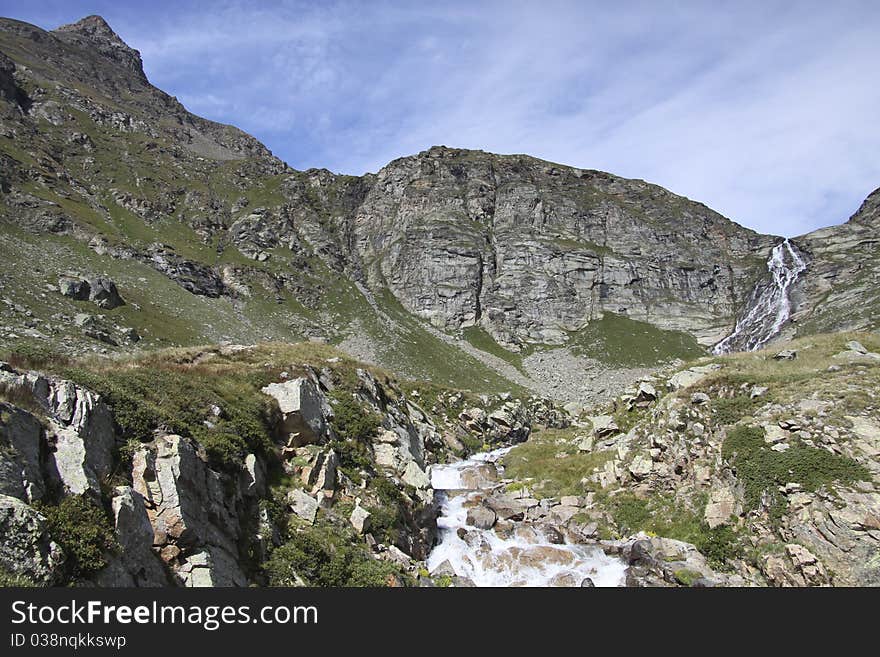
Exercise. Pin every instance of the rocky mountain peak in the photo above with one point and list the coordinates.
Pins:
(96, 32)
(93, 27)
(869, 212)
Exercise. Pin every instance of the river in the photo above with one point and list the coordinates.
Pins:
(523, 554)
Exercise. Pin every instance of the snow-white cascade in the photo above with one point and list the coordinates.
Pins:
(769, 306)
(525, 557)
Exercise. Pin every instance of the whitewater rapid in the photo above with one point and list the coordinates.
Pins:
(769, 306)
(522, 557)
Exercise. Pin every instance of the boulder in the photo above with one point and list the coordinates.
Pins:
(481, 517)
(561, 513)
(27, 549)
(722, 505)
(646, 392)
(192, 510)
(320, 475)
(303, 505)
(103, 293)
(484, 475)
(856, 346)
(785, 354)
(585, 444)
(699, 398)
(210, 567)
(303, 411)
(774, 434)
(79, 425)
(416, 477)
(360, 519)
(641, 466)
(604, 425)
(74, 288)
(444, 568)
(689, 377)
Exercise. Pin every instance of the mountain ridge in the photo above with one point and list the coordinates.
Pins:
(457, 247)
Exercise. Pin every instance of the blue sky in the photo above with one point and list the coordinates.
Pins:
(767, 112)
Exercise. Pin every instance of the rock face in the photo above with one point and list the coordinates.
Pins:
(530, 250)
(304, 411)
(839, 291)
(195, 521)
(79, 426)
(21, 441)
(137, 564)
(27, 549)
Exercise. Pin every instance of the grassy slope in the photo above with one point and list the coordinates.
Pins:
(621, 341)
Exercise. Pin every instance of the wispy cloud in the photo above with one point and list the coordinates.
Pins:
(766, 111)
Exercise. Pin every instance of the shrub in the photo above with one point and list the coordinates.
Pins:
(323, 555)
(761, 470)
(351, 421)
(8, 579)
(665, 517)
(84, 531)
(355, 427)
(729, 410)
(146, 398)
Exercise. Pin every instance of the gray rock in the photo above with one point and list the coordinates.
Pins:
(193, 510)
(136, 564)
(699, 398)
(360, 519)
(785, 354)
(604, 425)
(103, 293)
(856, 346)
(74, 288)
(21, 436)
(26, 548)
(303, 410)
(415, 476)
(722, 505)
(303, 505)
(443, 569)
(481, 517)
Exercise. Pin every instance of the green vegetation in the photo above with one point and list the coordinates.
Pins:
(84, 531)
(686, 577)
(328, 555)
(624, 342)
(387, 518)
(425, 356)
(179, 400)
(730, 410)
(8, 580)
(664, 516)
(762, 470)
(480, 339)
(355, 427)
(553, 463)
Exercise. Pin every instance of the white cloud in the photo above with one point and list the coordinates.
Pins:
(765, 111)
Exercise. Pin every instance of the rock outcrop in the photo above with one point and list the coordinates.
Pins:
(27, 549)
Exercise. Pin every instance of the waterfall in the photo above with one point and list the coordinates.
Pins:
(769, 306)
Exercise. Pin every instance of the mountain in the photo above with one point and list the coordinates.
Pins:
(841, 288)
(477, 270)
(472, 301)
